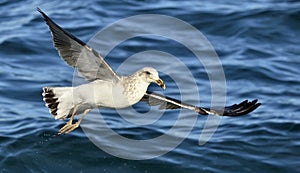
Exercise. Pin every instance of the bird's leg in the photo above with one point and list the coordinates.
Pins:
(69, 123)
(74, 126)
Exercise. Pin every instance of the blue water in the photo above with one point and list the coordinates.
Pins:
(258, 45)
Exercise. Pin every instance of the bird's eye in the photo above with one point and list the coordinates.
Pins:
(147, 72)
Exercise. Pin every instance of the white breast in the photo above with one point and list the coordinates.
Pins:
(109, 94)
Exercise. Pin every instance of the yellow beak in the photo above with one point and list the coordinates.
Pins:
(160, 83)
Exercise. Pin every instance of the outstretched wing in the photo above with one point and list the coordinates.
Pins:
(242, 108)
(77, 54)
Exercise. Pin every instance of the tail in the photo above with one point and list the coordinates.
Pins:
(58, 101)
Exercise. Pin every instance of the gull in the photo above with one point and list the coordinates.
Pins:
(106, 89)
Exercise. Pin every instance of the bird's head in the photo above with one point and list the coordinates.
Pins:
(151, 75)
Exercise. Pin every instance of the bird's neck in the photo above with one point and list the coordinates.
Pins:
(135, 86)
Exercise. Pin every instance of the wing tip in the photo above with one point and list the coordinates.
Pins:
(241, 109)
(245, 108)
(39, 9)
(42, 13)
(58, 33)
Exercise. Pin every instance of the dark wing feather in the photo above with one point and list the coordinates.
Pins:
(154, 99)
(77, 54)
(242, 108)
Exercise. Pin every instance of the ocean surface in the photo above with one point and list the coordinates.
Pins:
(258, 45)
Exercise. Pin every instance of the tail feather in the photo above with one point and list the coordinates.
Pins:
(51, 101)
(59, 101)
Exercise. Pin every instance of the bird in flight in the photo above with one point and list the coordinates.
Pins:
(106, 89)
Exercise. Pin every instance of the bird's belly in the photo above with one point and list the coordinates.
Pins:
(114, 99)
(107, 94)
